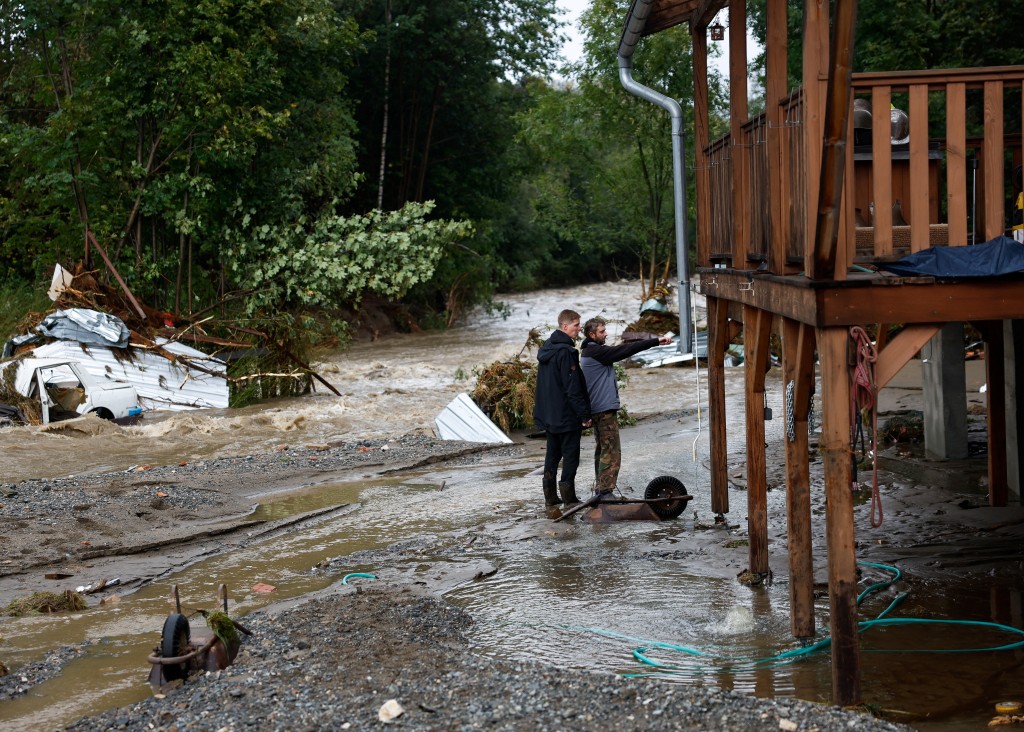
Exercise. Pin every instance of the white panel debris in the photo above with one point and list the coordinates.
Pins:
(463, 420)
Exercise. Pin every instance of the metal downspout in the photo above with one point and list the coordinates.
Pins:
(636, 21)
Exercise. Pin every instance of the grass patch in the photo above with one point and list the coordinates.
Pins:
(45, 603)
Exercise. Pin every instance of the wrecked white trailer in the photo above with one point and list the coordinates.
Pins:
(193, 380)
(66, 390)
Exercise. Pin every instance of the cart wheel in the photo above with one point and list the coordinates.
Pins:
(666, 486)
(175, 641)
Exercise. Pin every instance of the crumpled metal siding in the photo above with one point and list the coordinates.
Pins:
(160, 384)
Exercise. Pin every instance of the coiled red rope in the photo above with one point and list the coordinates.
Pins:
(863, 400)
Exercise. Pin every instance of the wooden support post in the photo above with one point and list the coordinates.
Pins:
(718, 341)
(995, 375)
(842, 564)
(798, 368)
(757, 326)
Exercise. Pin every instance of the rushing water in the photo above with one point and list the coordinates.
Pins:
(569, 594)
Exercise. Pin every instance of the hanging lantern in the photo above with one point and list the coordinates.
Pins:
(717, 32)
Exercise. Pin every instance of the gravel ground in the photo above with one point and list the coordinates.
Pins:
(333, 661)
(57, 523)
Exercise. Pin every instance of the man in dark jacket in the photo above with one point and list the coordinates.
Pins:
(598, 365)
(561, 408)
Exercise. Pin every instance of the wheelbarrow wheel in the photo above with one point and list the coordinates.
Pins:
(175, 641)
(666, 486)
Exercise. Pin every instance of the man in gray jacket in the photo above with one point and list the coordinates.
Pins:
(598, 363)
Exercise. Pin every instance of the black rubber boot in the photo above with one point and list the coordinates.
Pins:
(567, 489)
(550, 492)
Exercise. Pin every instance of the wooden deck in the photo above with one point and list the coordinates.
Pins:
(793, 206)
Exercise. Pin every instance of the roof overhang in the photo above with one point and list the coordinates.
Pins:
(664, 14)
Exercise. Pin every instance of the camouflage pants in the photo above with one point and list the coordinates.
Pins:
(608, 453)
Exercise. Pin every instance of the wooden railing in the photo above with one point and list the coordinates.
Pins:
(948, 184)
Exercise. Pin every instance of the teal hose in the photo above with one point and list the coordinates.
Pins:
(642, 653)
(365, 575)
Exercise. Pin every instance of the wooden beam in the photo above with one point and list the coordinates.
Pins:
(842, 562)
(901, 349)
(833, 156)
(798, 368)
(705, 13)
(871, 299)
(718, 340)
(756, 340)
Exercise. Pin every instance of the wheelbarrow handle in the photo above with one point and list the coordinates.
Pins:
(589, 503)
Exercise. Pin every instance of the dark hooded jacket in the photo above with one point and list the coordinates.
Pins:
(561, 403)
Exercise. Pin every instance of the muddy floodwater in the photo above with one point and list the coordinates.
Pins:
(631, 598)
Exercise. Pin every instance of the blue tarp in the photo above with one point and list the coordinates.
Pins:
(1000, 256)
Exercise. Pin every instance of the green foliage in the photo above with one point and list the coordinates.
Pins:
(337, 258)
(16, 299)
(224, 628)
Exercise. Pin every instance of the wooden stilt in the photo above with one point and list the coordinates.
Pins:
(718, 341)
(842, 566)
(995, 376)
(756, 336)
(798, 368)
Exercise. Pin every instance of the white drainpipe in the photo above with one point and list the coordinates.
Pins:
(630, 37)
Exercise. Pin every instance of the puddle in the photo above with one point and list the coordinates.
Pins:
(569, 595)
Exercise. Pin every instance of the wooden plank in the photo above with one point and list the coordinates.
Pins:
(702, 134)
(846, 246)
(937, 78)
(739, 152)
(993, 161)
(900, 350)
(956, 163)
(826, 263)
(756, 338)
(995, 375)
(918, 203)
(842, 563)
(815, 59)
(881, 170)
(776, 83)
(926, 303)
(718, 340)
(798, 368)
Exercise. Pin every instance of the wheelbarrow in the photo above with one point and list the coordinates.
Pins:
(181, 654)
(664, 499)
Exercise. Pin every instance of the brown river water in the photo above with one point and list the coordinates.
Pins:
(577, 596)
